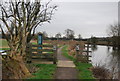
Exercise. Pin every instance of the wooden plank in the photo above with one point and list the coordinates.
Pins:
(65, 64)
(77, 55)
(55, 57)
(42, 57)
(42, 53)
(89, 56)
(84, 56)
(84, 60)
(89, 60)
(89, 46)
(42, 45)
(42, 50)
(87, 51)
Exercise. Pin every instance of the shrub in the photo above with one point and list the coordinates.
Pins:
(101, 73)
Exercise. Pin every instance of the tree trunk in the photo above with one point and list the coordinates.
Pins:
(16, 64)
(15, 68)
(23, 67)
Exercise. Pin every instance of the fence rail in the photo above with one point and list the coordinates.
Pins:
(83, 57)
(42, 51)
(42, 45)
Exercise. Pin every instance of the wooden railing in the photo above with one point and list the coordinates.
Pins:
(83, 55)
(42, 52)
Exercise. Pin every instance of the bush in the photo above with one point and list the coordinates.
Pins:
(101, 73)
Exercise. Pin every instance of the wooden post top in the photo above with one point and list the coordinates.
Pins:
(54, 47)
(77, 47)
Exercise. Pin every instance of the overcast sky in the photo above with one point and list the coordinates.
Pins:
(85, 18)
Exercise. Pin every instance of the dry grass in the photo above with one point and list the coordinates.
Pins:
(32, 68)
(101, 73)
(70, 43)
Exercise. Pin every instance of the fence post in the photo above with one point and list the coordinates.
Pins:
(55, 54)
(77, 51)
(87, 53)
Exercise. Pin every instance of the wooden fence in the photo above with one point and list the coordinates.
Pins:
(83, 55)
(47, 52)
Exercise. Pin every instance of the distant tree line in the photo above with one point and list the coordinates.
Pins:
(114, 32)
(68, 35)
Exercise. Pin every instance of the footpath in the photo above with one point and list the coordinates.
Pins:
(65, 67)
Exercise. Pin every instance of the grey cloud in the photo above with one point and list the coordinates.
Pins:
(86, 18)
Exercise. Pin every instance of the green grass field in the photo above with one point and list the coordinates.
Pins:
(46, 71)
(3, 43)
(4, 48)
(83, 68)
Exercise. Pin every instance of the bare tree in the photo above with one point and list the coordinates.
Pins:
(20, 19)
(69, 33)
(115, 33)
(58, 35)
(79, 36)
(114, 30)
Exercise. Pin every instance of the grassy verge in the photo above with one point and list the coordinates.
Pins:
(84, 72)
(45, 71)
(65, 53)
(4, 48)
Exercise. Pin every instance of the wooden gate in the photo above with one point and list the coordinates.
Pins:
(48, 52)
(83, 55)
